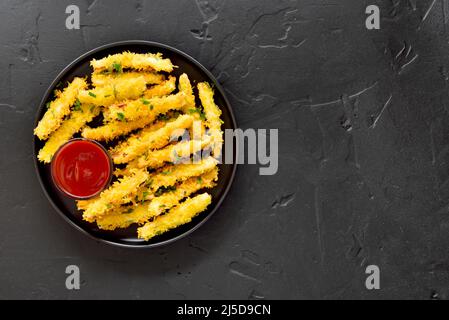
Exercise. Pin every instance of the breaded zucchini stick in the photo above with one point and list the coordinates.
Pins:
(172, 153)
(121, 192)
(131, 110)
(185, 86)
(149, 139)
(83, 204)
(59, 108)
(77, 120)
(171, 199)
(123, 217)
(162, 89)
(213, 113)
(121, 127)
(114, 129)
(171, 174)
(110, 94)
(101, 79)
(136, 61)
(177, 216)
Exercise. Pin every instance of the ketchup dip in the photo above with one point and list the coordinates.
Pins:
(81, 168)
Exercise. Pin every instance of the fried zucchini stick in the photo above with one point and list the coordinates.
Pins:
(120, 192)
(162, 89)
(149, 140)
(100, 79)
(129, 60)
(171, 199)
(68, 128)
(213, 113)
(144, 141)
(186, 87)
(145, 108)
(123, 217)
(171, 174)
(110, 94)
(114, 129)
(177, 216)
(59, 108)
(121, 127)
(173, 153)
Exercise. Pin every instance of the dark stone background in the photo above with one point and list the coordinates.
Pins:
(363, 166)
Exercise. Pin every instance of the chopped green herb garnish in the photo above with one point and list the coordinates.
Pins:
(163, 190)
(199, 180)
(48, 104)
(196, 110)
(92, 94)
(145, 101)
(117, 67)
(130, 210)
(77, 105)
(91, 109)
(120, 116)
(163, 117)
(107, 95)
(144, 196)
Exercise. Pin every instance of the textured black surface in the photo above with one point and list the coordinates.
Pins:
(363, 166)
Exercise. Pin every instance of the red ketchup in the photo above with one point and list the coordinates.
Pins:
(81, 168)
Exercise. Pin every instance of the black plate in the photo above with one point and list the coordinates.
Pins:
(66, 206)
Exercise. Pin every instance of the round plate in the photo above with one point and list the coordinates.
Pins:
(128, 237)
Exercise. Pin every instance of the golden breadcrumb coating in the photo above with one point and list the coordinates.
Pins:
(171, 174)
(173, 153)
(149, 139)
(185, 86)
(115, 129)
(113, 93)
(69, 127)
(161, 89)
(136, 61)
(177, 216)
(59, 108)
(213, 114)
(121, 192)
(123, 217)
(184, 189)
(132, 110)
(104, 79)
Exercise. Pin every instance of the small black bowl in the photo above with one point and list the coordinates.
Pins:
(66, 207)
